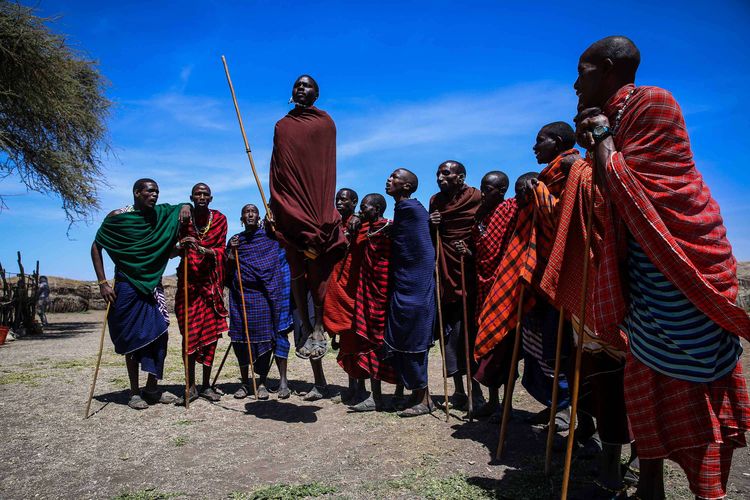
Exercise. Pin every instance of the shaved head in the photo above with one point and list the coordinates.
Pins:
(496, 179)
(201, 185)
(562, 130)
(411, 178)
(621, 50)
(454, 165)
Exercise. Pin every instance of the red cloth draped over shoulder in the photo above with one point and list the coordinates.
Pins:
(659, 194)
(520, 261)
(207, 313)
(341, 292)
(563, 275)
(361, 354)
(490, 242)
(458, 216)
(303, 181)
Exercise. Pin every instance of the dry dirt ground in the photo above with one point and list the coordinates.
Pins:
(246, 449)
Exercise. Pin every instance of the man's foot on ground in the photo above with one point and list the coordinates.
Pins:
(242, 392)
(317, 392)
(210, 394)
(399, 402)
(415, 411)
(262, 393)
(368, 404)
(562, 420)
(137, 403)
(180, 401)
(160, 397)
(540, 418)
(319, 344)
(486, 410)
(283, 393)
(459, 401)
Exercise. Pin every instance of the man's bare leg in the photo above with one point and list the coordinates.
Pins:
(318, 272)
(135, 401)
(284, 392)
(317, 392)
(651, 482)
(208, 392)
(422, 404)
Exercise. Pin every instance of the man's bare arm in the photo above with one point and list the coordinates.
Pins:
(108, 294)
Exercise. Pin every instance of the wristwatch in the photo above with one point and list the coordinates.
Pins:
(600, 133)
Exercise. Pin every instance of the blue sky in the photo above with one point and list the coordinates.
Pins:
(408, 83)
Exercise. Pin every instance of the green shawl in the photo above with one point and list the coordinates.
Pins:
(140, 243)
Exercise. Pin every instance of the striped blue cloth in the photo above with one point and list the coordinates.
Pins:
(266, 288)
(667, 332)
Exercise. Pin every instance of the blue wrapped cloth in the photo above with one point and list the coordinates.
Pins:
(263, 268)
(138, 325)
(411, 310)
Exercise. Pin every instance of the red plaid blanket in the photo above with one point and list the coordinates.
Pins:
(656, 190)
(491, 238)
(206, 313)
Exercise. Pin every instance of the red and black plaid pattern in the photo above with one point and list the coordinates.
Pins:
(499, 312)
(490, 243)
(341, 292)
(547, 194)
(563, 274)
(206, 312)
(662, 199)
(360, 354)
(696, 425)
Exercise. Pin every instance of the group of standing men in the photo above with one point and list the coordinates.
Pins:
(661, 332)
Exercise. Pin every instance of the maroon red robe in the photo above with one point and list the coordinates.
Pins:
(303, 181)
(458, 215)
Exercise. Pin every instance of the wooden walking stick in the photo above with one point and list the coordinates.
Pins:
(466, 342)
(221, 365)
(244, 317)
(186, 339)
(581, 332)
(510, 384)
(440, 324)
(555, 390)
(98, 362)
(244, 138)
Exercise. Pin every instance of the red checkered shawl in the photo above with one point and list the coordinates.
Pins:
(500, 309)
(458, 215)
(372, 293)
(490, 245)
(206, 314)
(659, 194)
(341, 292)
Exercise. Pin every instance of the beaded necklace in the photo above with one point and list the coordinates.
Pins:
(387, 223)
(621, 111)
(202, 231)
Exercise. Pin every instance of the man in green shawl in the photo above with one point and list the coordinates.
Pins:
(139, 239)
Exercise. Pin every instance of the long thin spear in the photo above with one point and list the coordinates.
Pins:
(581, 331)
(511, 382)
(98, 362)
(440, 324)
(555, 390)
(466, 341)
(244, 138)
(186, 345)
(244, 317)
